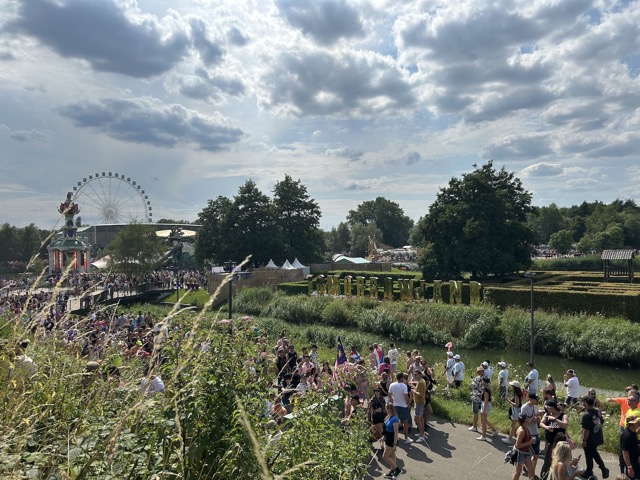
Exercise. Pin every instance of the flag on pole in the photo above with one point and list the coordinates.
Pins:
(379, 353)
(341, 359)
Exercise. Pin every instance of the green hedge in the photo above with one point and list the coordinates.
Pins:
(584, 337)
(588, 262)
(608, 303)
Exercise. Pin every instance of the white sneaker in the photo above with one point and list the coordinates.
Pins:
(420, 440)
(408, 441)
(472, 429)
(481, 438)
(507, 441)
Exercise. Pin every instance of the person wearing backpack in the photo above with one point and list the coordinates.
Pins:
(592, 437)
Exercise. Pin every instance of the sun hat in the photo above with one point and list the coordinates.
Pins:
(480, 369)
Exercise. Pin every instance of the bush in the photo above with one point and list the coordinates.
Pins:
(252, 301)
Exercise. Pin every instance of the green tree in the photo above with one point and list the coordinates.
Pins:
(30, 242)
(298, 219)
(252, 227)
(338, 239)
(561, 241)
(478, 224)
(611, 238)
(8, 243)
(212, 243)
(136, 249)
(545, 221)
(387, 216)
(359, 238)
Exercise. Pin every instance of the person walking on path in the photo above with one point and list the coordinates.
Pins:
(399, 398)
(530, 409)
(563, 465)
(628, 406)
(630, 448)
(592, 437)
(485, 409)
(516, 404)
(553, 422)
(477, 389)
(524, 443)
(419, 398)
(391, 423)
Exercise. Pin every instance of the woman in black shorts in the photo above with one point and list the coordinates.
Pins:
(391, 423)
(377, 413)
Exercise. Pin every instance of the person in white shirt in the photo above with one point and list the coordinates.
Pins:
(399, 397)
(572, 384)
(531, 380)
(488, 369)
(393, 357)
(448, 369)
(458, 372)
(503, 381)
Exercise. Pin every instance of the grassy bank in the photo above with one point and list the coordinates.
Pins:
(583, 337)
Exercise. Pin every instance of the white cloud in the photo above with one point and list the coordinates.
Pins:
(357, 98)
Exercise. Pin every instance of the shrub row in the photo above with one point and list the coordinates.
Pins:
(584, 337)
(587, 262)
(608, 303)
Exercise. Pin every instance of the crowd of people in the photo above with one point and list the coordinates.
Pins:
(394, 393)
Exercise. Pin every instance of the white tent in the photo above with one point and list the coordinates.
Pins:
(101, 263)
(287, 266)
(305, 270)
(271, 264)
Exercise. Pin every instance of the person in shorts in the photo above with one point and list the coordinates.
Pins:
(391, 429)
(419, 399)
(399, 397)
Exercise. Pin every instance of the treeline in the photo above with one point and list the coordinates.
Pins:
(19, 244)
(591, 226)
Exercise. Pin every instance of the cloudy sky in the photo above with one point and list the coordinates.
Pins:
(356, 98)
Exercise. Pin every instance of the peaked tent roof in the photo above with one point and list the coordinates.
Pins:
(271, 264)
(287, 266)
(296, 264)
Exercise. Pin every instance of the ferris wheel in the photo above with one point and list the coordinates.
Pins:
(108, 198)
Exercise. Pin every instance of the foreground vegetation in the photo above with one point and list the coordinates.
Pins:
(66, 423)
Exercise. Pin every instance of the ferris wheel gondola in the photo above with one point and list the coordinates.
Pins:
(111, 198)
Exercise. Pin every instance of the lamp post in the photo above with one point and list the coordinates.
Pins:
(230, 266)
(530, 276)
(177, 285)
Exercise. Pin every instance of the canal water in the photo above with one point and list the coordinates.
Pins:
(608, 379)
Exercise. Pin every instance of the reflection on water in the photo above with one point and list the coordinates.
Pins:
(601, 376)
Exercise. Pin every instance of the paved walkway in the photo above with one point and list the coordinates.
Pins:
(453, 453)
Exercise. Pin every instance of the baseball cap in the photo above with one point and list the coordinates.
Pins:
(450, 353)
(502, 364)
(484, 364)
(456, 357)
(533, 396)
(515, 383)
(571, 372)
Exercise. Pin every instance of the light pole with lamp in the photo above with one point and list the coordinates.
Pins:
(530, 276)
(230, 267)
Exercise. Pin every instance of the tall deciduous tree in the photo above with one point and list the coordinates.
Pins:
(478, 224)
(338, 239)
(136, 249)
(561, 241)
(359, 238)
(298, 219)
(252, 228)
(388, 217)
(212, 242)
